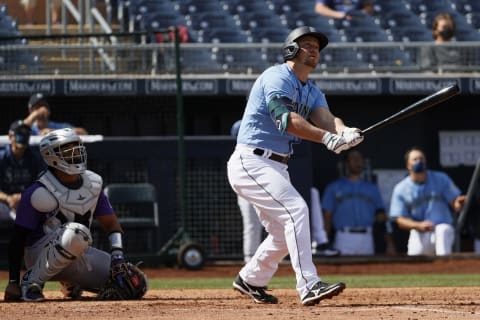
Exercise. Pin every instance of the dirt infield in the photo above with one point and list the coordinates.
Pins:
(226, 304)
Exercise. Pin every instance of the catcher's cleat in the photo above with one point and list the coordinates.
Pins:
(71, 291)
(322, 290)
(258, 294)
(32, 293)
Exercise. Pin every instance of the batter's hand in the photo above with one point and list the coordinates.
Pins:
(13, 292)
(334, 142)
(353, 136)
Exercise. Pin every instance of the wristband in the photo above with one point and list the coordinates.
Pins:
(115, 241)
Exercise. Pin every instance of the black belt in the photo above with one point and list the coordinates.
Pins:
(355, 230)
(273, 156)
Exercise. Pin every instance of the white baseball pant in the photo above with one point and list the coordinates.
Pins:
(283, 212)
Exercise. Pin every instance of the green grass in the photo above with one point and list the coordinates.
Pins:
(352, 281)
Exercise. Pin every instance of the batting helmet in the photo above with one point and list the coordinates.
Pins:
(290, 47)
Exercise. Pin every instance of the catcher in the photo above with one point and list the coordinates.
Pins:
(52, 231)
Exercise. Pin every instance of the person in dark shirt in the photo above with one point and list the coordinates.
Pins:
(19, 167)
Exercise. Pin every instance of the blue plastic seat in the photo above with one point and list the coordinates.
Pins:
(366, 34)
(411, 33)
(221, 35)
(253, 20)
(270, 34)
(211, 20)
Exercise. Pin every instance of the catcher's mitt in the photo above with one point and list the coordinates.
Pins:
(126, 282)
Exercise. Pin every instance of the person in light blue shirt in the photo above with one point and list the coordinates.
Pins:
(423, 202)
(353, 207)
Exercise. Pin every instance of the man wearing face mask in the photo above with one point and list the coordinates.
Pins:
(422, 202)
(19, 167)
(441, 55)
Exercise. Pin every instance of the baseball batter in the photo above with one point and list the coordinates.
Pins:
(283, 107)
(422, 203)
(52, 226)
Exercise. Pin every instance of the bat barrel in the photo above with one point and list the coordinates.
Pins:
(419, 106)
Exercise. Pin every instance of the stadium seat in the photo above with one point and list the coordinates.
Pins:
(253, 20)
(288, 7)
(297, 19)
(137, 209)
(401, 19)
(366, 34)
(194, 7)
(410, 33)
(382, 7)
(466, 6)
(206, 20)
(419, 6)
(238, 60)
(388, 58)
(473, 18)
(340, 58)
(156, 20)
(235, 7)
(270, 34)
(220, 35)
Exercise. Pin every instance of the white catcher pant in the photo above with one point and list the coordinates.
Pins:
(282, 211)
(90, 270)
(438, 242)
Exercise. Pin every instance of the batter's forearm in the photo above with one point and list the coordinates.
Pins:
(301, 128)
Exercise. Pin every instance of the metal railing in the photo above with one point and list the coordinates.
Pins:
(129, 55)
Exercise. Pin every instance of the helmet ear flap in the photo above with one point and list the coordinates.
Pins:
(290, 51)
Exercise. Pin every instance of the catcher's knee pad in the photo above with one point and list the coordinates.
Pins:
(74, 240)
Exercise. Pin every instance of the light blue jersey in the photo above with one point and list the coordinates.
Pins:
(352, 203)
(258, 128)
(427, 201)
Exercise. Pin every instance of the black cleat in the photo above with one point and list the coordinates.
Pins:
(258, 294)
(322, 290)
(324, 250)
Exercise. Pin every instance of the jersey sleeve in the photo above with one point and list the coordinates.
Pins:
(103, 207)
(27, 216)
(450, 190)
(398, 207)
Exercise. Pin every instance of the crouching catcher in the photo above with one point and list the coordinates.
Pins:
(52, 231)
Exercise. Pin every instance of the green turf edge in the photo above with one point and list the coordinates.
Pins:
(288, 282)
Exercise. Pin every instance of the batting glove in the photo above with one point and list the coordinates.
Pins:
(334, 142)
(353, 136)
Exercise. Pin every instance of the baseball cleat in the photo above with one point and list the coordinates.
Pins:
(324, 250)
(322, 290)
(72, 291)
(33, 293)
(258, 294)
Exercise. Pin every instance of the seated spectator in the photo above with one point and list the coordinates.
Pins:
(19, 168)
(340, 9)
(39, 117)
(354, 210)
(441, 55)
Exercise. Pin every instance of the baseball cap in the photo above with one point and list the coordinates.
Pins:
(35, 99)
(21, 132)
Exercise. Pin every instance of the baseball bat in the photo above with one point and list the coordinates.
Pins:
(419, 106)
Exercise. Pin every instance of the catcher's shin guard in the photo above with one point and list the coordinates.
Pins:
(72, 241)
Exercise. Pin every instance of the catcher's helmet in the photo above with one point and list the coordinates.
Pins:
(71, 159)
(290, 47)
